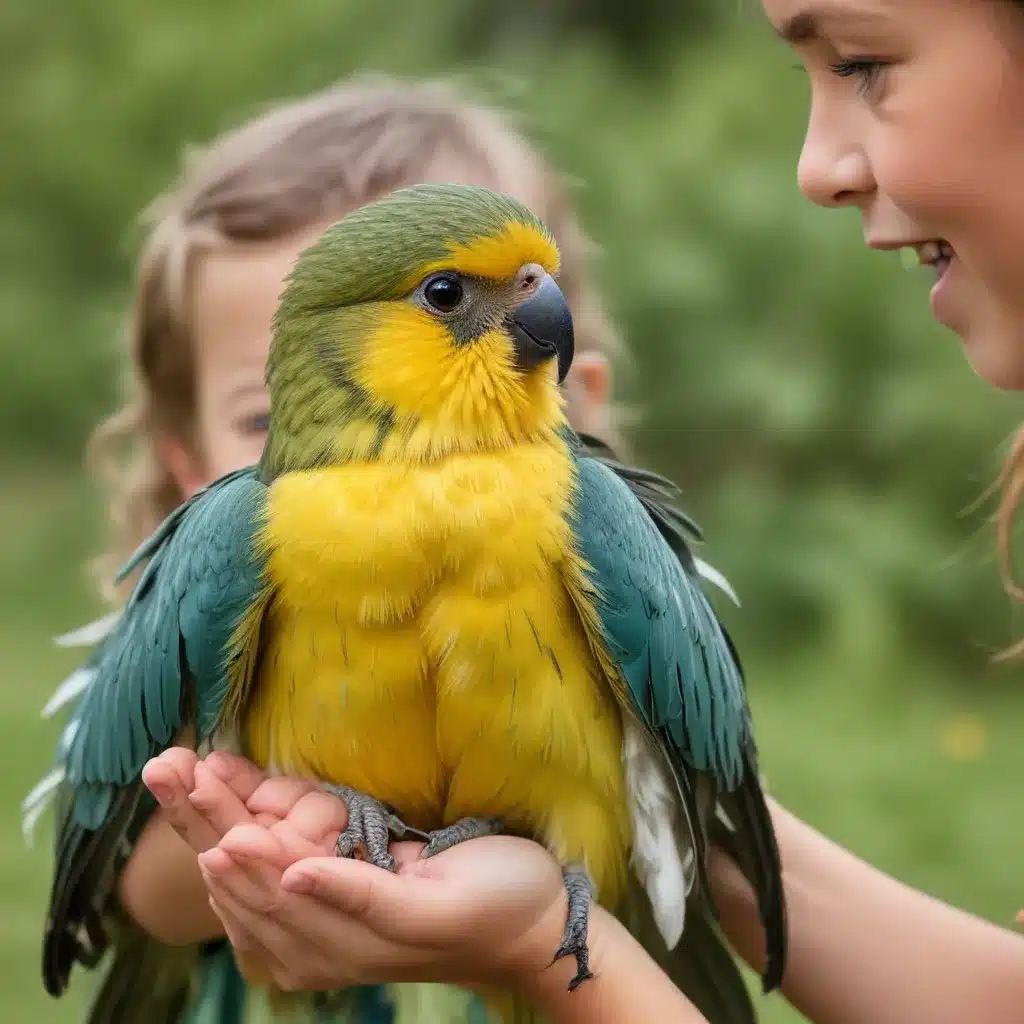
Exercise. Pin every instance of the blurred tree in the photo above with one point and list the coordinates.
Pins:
(827, 434)
(642, 33)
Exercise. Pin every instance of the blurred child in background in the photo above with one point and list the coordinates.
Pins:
(222, 241)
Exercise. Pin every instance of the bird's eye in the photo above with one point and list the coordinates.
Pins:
(444, 293)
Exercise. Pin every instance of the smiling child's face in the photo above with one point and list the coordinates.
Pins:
(915, 119)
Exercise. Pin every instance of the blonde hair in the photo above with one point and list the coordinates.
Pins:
(300, 163)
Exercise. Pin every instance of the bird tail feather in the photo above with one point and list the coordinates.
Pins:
(146, 981)
(702, 965)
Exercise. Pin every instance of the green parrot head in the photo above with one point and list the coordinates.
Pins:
(420, 325)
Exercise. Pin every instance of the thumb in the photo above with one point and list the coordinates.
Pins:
(408, 908)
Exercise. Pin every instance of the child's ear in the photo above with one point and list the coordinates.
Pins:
(594, 374)
(185, 467)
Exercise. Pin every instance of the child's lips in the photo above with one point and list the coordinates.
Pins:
(932, 252)
(942, 298)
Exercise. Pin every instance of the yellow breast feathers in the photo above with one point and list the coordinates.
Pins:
(423, 648)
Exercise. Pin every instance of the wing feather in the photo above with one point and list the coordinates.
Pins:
(172, 652)
(660, 630)
(684, 684)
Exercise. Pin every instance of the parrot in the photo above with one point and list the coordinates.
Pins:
(444, 605)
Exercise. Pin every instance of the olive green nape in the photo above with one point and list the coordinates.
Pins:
(371, 253)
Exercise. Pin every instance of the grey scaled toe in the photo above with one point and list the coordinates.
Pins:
(462, 831)
(371, 827)
(574, 939)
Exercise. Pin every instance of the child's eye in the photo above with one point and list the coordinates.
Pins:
(867, 72)
(258, 423)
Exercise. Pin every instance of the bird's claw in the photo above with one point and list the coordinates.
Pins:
(460, 832)
(574, 939)
(371, 827)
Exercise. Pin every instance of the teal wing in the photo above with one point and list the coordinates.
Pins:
(164, 664)
(683, 680)
(682, 672)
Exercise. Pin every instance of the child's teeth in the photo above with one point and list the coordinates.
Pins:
(927, 254)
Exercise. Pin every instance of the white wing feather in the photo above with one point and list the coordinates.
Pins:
(665, 870)
(90, 634)
(712, 575)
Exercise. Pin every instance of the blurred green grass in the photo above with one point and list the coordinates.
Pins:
(861, 757)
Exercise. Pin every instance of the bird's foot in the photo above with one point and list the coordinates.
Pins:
(574, 939)
(371, 827)
(463, 830)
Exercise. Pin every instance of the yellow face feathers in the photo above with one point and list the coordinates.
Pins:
(451, 396)
(499, 256)
(450, 360)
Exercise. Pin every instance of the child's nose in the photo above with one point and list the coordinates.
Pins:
(833, 171)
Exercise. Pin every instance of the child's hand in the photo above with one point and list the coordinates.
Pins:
(174, 778)
(204, 800)
(488, 910)
(306, 812)
(289, 818)
(304, 819)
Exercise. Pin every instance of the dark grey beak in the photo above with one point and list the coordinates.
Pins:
(541, 329)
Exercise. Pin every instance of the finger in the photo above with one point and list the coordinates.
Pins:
(254, 882)
(303, 940)
(262, 935)
(219, 805)
(182, 759)
(407, 908)
(248, 846)
(238, 773)
(257, 936)
(279, 795)
(318, 814)
(297, 847)
(170, 776)
(239, 937)
(251, 865)
(170, 781)
(256, 964)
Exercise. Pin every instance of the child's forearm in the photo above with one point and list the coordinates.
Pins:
(162, 890)
(628, 987)
(864, 947)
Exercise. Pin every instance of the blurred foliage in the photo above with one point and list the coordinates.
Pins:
(828, 436)
(825, 431)
(643, 33)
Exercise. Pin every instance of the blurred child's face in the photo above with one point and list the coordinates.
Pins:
(915, 119)
(234, 293)
(234, 296)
